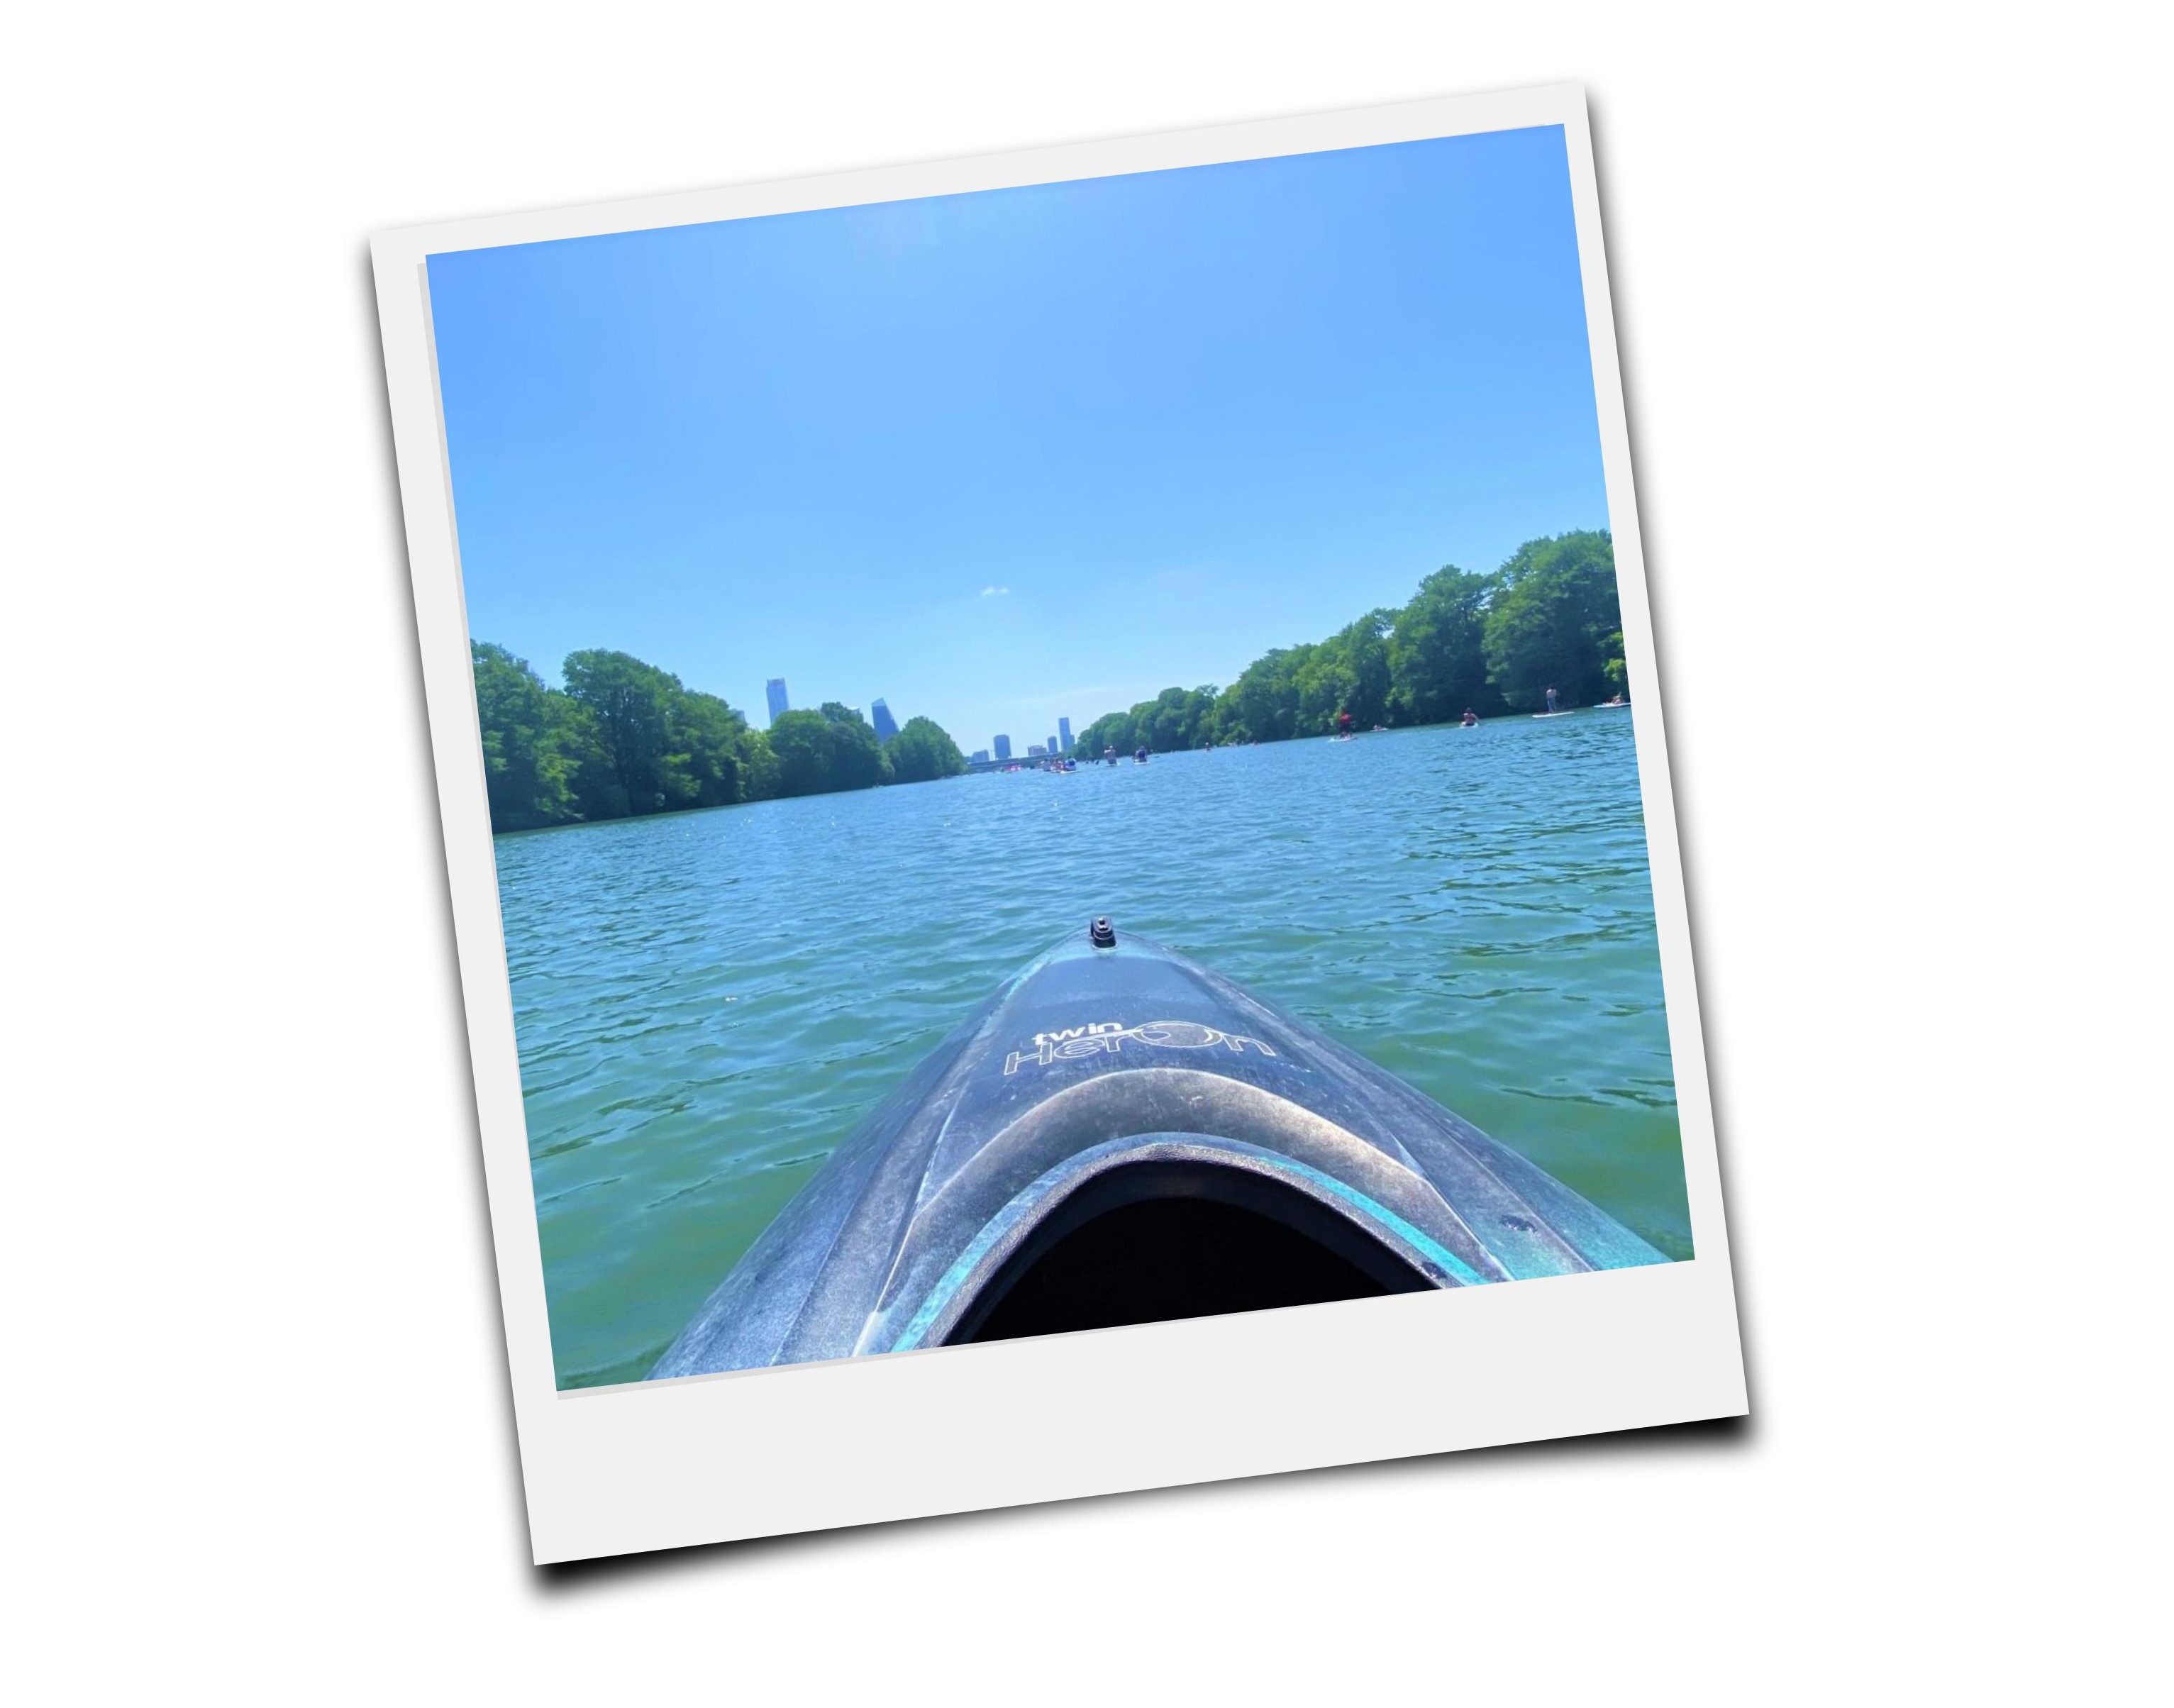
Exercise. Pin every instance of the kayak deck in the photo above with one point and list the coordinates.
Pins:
(1121, 1135)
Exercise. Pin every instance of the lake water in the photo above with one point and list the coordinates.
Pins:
(708, 1004)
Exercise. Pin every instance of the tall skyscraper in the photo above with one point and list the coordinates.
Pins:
(1053, 747)
(1004, 747)
(1064, 734)
(886, 725)
(778, 704)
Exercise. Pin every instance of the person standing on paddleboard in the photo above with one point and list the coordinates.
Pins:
(1551, 699)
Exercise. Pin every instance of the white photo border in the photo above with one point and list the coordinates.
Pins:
(800, 1447)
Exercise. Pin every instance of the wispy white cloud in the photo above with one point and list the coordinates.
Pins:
(993, 592)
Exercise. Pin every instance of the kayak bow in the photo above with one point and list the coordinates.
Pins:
(1119, 1136)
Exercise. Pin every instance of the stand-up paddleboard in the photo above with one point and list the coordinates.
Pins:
(1118, 1135)
(1552, 714)
(1613, 706)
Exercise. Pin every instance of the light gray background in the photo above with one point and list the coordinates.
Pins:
(1888, 287)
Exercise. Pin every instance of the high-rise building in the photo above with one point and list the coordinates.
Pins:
(1034, 749)
(1004, 747)
(886, 725)
(1064, 734)
(1051, 747)
(980, 756)
(779, 705)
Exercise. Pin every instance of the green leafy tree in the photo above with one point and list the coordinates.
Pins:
(1611, 663)
(1228, 721)
(632, 705)
(856, 757)
(718, 760)
(528, 754)
(1437, 658)
(1267, 694)
(1549, 618)
(1176, 719)
(921, 752)
(1111, 730)
(1362, 653)
(1327, 685)
(1555, 620)
(820, 752)
(801, 740)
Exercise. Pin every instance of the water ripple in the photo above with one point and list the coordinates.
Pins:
(707, 1004)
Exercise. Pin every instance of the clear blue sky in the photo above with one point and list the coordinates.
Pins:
(998, 456)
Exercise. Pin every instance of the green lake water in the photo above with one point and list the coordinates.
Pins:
(708, 1004)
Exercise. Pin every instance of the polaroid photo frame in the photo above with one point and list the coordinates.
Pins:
(660, 1464)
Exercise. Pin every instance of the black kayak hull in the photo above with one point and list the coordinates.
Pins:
(1120, 1134)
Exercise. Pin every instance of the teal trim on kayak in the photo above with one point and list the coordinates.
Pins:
(994, 1229)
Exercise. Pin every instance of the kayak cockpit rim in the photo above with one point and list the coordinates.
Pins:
(1337, 1241)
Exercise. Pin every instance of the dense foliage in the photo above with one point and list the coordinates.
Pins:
(921, 752)
(624, 739)
(1492, 643)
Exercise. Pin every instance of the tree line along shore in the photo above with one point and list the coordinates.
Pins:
(1491, 644)
(623, 739)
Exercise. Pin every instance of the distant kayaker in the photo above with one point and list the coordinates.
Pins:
(1471, 717)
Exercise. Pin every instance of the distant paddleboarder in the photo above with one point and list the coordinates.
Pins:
(1471, 717)
(1551, 699)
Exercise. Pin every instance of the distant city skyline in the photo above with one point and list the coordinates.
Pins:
(1022, 453)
